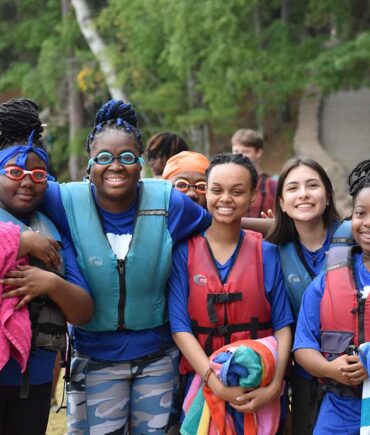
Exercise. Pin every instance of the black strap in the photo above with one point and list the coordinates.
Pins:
(220, 298)
(262, 189)
(341, 390)
(226, 330)
(298, 249)
(50, 328)
(25, 387)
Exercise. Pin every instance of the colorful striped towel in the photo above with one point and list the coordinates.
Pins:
(249, 363)
(364, 353)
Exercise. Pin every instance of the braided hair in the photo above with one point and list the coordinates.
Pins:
(165, 144)
(18, 118)
(115, 115)
(238, 159)
(359, 178)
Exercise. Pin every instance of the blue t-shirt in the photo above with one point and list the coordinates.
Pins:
(307, 336)
(184, 219)
(41, 362)
(281, 314)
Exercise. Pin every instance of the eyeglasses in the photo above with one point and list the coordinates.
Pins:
(16, 173)
(106, 158)
(184, 186)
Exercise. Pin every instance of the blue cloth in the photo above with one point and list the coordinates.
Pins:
(42, 361)
(281, 314)
(341, 415)
(22, 151)
(184, 218)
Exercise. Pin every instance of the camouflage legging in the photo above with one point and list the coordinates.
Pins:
(119, 398)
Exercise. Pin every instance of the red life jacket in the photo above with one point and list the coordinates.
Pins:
(265, 199)
(344, 315)
(237, 309)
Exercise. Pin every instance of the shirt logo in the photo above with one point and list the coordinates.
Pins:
(293, 278)
(200, 279)
(95, 261)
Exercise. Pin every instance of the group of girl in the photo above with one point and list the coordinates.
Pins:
(146, 268)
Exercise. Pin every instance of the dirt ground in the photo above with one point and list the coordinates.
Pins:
(58, 422)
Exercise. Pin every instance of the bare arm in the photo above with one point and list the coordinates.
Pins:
(45, 249)
(346, 369)
(30, 282)
(260, 225)
(196, 356)
(263, 395)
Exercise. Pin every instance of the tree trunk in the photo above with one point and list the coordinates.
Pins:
(260, 109)
(284, 11)
(98, 48)
(199, 133)
(76, 111)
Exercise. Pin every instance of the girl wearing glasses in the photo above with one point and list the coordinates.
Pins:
(187, 173)
(125, 365)
(227, 285)
(25, 399)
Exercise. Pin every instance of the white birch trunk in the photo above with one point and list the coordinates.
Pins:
(98, 48)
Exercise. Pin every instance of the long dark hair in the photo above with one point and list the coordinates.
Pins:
(284, 229)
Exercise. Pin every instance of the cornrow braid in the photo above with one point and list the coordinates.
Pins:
(238, 159)
(165, 144)
(115, 115)
(18, 117)
(359, 178)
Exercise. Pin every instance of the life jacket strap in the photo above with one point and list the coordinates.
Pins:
(226, 330)
(220, 298)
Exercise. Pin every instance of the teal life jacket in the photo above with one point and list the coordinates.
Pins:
(48, 324)
(297, 275)
(129, 293)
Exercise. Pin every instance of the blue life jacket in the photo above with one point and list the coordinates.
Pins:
(297, 276)
(129, 293)
(38, 222)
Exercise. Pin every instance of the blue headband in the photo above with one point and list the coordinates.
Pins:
(22, 151)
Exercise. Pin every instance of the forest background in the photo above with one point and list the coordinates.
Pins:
(201, 68)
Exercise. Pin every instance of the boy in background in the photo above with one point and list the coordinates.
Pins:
(250, 143)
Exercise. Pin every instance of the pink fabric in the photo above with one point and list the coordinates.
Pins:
(15, 325)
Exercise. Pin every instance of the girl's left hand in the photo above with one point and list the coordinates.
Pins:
(258, 398)
(29, 282)
(355, 372)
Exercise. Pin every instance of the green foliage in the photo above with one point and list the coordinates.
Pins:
(187, 63)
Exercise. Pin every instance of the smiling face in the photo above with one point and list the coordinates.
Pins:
(303, 197)
(20, 198)
(361, 220)
(115, 183)
(229, 193)
(192, 177)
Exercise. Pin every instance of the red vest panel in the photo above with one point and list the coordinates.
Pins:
(344, 316)
(235, 310)
(265, 199)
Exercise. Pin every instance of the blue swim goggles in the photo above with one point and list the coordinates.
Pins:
(106, 158)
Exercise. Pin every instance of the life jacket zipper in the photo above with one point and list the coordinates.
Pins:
(122, 293)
